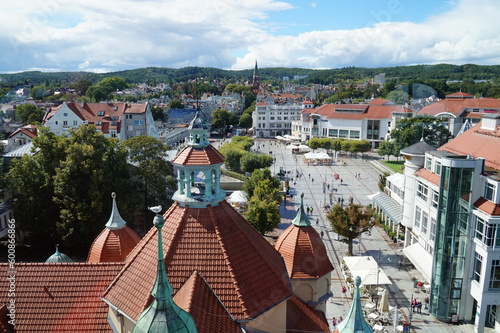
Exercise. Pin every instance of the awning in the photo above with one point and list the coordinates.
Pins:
(367, 269)
(420, 258)
(388, 206)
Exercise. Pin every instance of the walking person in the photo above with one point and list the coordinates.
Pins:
(334, 323)
(343, 291)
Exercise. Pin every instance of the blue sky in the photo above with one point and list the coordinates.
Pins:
(111, 35)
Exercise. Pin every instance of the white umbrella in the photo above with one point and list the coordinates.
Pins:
(384, 302)
(238, 197)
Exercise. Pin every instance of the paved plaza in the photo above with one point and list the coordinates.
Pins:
(358, 178)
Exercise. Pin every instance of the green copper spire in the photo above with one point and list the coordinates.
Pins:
(58, 257)
(163, 315)
(115, 221)
(301, 219)
(355, 321)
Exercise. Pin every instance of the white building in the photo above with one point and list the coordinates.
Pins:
(372, 122)
(271, 120)
(452, 212)
(117, 120)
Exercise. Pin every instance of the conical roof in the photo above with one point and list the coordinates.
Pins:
(300, 243)
(355, 321)
(240, 266)
(58, 257)
(115, 242)
(163, 315)
(418, 149)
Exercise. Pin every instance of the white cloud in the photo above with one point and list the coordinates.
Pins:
(97, 35)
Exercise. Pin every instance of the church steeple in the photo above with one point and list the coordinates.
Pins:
(163, 315)
(198, 169)
(256, 80)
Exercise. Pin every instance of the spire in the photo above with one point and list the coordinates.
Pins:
(58, 257)
(355, 320)
(255, 70)
(198, 132)
(301, 219)
(115, 221)
(163, 315)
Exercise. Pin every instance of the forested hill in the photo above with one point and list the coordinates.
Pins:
(399, 74)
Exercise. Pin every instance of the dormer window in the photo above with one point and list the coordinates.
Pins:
(100, 113)
(114, 118)
(98, 123)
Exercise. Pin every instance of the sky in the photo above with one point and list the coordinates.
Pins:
(112, 35)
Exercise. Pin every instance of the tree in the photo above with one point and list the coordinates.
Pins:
(385, 148)
(81, 86)
(251, 162)
(221, 119)
(156, 175)
(29, 113)
(264, 216)
(62, 193)
(246, 121)
(158, 113)
(258, 175)
(410, 130)
(175, 104)
(351, 221)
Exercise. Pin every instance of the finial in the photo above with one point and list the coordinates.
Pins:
(113, 195)
(57, 248)
(357, 281)
(158, 221)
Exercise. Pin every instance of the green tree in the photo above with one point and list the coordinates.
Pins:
(29, 113)
(62, 193)
(81, 86)
(158, 113)
(351, 221)
(251, 162)
(245, 121)
(398, 97)
(264, 216)
(155, 173)
(385, 148)
(259, 175)
(410, 130)
(175, 104)
(221, 119)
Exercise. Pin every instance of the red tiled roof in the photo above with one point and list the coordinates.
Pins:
(30, 131)
(459, 94)
(457, 106)
(303, 318)
(479, 143)
(90, 111)
(487, 206)
(379, 101)
(261, 103)
(241, 267)
(113, 245)
(428, 175)
(304, 253)
(333, 111)
(198, 156)
(60, 297)
(209, 314)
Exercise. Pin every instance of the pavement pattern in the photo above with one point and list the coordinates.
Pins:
(358, 178)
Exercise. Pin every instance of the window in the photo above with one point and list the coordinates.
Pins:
(128, 116)
(65, 123)
(418, 213)
(138, 122)
(271, 118)
(114, 118)
(354, 135)
(495, 275)
(100, 113)
(479, 228)
(425, 219)
(489, 234)
(75, 122)
(333, 133)
(98, 123)
(114, 123)
(489, 191)
(57, 123)
(478, 262)
(422, 191)
(432, 235)
(428, 163)
(435, 199)
(343, 133)
(437, 168)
